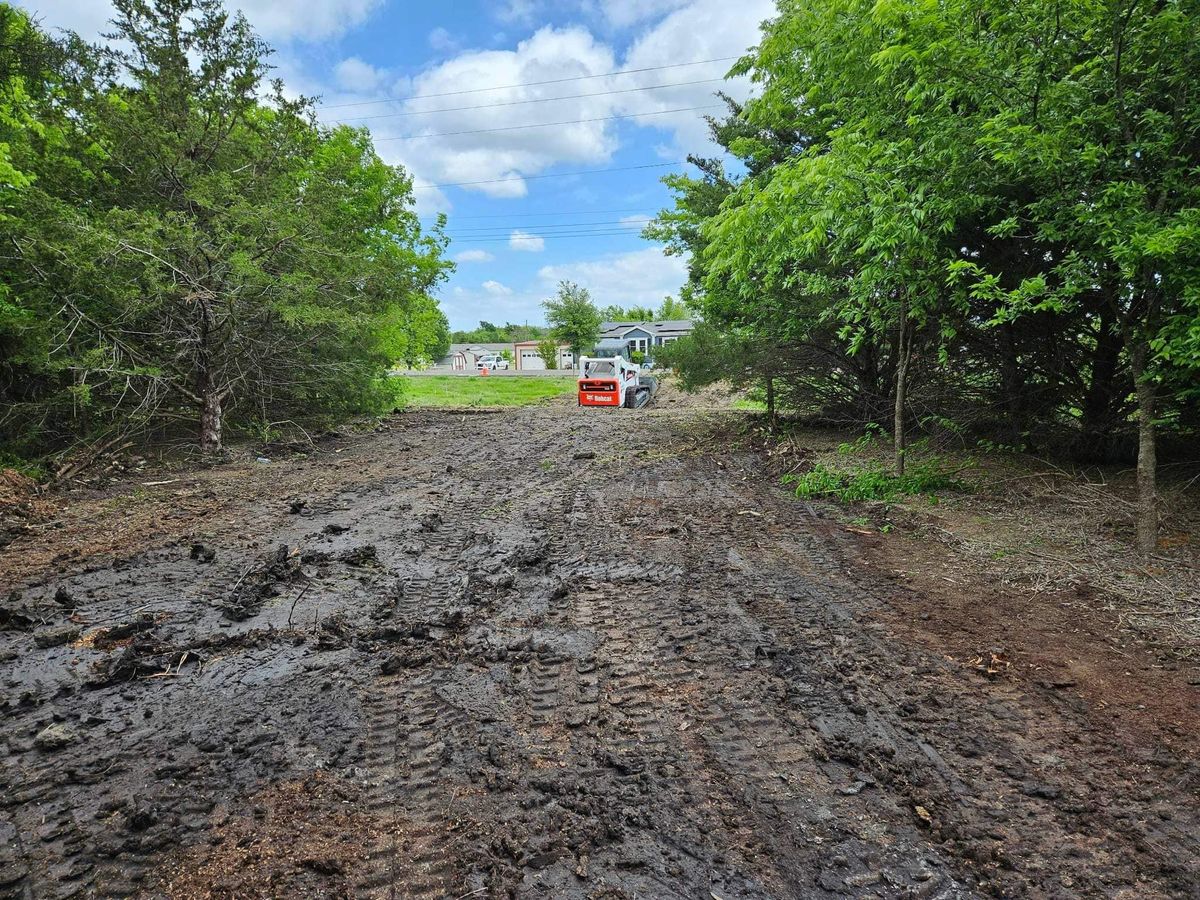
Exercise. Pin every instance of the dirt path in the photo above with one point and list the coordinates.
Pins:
(487, 662)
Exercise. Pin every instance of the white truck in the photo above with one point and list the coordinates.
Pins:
(491, 362)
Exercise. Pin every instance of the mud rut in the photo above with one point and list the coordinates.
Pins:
(638, 675)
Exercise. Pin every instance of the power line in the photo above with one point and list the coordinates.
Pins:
(661, 112)
(543, 228)
(551, 175)
(499, 87)
(550, 237)
(575, 212)
(424, 112)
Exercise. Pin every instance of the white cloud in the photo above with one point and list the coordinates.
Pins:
(275, 20)
(355, 75)
(519, 11)
(442, 40)
(311, 20)
(473, 256)
(496, 289)
(677, 31)
(88, 18)
(640, 277)
(703, 29)
(501, 157)
(523, 240)
(466, 306)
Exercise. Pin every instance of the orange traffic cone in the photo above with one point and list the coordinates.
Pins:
(484, 371)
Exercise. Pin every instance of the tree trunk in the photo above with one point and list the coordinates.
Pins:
(1147, 508)
(210, 420)
(772, 423)
(903, 352)
(206, 383)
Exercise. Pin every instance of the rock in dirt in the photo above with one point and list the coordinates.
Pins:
(55, 636)
(16, 615)
(297, 506)
(363, 555)
(63, 598)
(54, 737)
(584, 454)
(203, 554)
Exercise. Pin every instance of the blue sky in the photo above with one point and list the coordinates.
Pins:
(524, 226)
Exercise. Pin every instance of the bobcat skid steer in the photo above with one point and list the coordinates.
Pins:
(610, 379)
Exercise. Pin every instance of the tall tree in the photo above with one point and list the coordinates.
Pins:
(992, 197)
(224, 253)
(573, 317)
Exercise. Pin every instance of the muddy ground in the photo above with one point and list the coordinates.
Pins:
(548, 653)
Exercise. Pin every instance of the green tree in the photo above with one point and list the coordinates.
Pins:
(488, 333)
(33, 127)
(672, 308)
(616, 313)
(573, 318)
(989, 201)
(210, 249)
(548, 351)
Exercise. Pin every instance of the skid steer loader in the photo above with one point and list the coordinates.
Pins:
(610, 379)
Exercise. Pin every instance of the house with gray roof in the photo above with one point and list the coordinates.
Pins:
(645, 336)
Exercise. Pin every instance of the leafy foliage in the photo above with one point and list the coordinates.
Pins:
(573, 317)
(548, 351)
(875, 482)
(670, 308)
(488, 333)
(981, 214)
(187, 242)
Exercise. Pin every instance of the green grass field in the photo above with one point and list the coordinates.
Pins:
(478, 391)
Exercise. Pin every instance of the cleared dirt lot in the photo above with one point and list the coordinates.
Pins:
(467, 657)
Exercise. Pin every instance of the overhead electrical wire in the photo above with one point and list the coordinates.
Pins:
(574, 212)
(498, 87)
(547, 228)
(550, 237)
(425, 112)
(549, 175)
(661, 112)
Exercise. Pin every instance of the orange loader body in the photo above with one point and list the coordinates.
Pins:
(600, 392)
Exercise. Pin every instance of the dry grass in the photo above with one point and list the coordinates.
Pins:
(1027, 523)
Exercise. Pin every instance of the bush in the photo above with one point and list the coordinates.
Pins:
(876, 483)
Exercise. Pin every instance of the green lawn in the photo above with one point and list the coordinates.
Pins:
(481, 391)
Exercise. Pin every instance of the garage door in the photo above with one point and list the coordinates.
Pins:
(531, 360)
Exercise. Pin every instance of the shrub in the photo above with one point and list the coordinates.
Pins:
(875, 483)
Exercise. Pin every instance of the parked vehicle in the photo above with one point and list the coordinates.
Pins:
(491, 362)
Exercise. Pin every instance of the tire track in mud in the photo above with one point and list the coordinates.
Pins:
(406, 726)
(761, 762)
